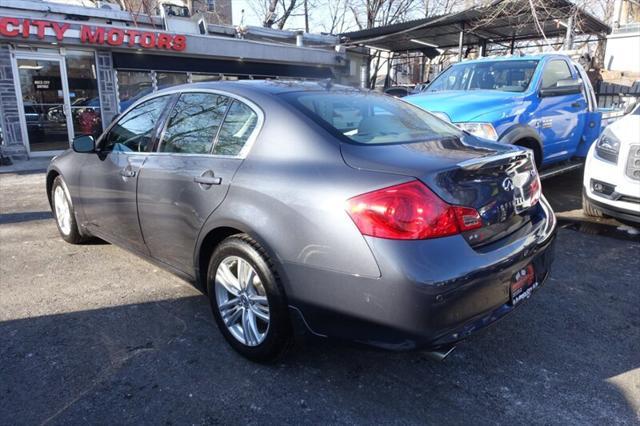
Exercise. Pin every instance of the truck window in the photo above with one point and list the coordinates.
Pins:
(555, 71)
(506, 76)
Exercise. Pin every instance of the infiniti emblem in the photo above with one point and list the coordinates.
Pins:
(507, 184)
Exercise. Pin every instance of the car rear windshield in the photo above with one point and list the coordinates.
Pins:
(508, 76)
(371, 118)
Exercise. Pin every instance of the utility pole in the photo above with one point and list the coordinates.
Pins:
(306, 17)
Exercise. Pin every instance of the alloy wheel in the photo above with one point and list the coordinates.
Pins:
(242, 301)
(63, 210)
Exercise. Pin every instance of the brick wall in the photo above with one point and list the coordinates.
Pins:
(12, 144)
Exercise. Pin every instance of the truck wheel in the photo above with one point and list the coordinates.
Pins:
(589, 209)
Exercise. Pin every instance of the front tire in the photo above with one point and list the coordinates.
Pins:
(589, 209)
(64, 213)
(247, 299)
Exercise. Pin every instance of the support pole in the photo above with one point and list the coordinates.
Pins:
(513, 45)
(568, 40)
(460, 43)
(306, 17)
(483, 48)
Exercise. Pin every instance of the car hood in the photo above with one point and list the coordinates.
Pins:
(465, 105)
(626, 129)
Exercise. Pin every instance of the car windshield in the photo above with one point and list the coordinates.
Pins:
(508, 76)
(371, 118)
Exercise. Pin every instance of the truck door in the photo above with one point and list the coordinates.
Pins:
(559, 119)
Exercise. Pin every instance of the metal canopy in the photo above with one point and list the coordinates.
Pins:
(499, 21)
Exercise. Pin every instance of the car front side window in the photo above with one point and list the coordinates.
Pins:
(193, 123)
(134, 131)
(555, 71)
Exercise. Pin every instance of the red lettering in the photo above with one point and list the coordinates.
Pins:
(115, 37)
(132, 34)
(41, 27)
(179, 43)
(59, 29)
(26, 28)
(4, 27)
(147, 40)
(86, 36)
(164, 41)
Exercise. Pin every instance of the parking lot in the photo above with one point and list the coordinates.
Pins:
(93, 334)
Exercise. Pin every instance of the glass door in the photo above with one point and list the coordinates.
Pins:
(46, 111)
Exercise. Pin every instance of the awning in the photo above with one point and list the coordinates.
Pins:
(498, 22)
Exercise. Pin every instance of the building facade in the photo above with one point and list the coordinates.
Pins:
(68, 70)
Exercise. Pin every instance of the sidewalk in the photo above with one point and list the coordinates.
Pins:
(34, 165)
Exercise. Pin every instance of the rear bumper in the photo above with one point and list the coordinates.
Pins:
(431, 293)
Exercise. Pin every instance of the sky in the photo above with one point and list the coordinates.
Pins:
(293, 23)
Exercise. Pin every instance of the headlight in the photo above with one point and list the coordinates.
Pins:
(607, 146)
(481, 130)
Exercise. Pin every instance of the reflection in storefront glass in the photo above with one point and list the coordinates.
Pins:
(43, 102)
(168, 79)
(132, 85)
(197, 78)
(83, 93)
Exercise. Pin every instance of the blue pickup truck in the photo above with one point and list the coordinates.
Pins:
(543, 102)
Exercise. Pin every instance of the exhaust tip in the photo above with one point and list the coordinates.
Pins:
(440, 354)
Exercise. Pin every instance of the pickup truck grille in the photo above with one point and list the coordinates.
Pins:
(633, 162)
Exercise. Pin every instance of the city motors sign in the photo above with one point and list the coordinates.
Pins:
(24, 28)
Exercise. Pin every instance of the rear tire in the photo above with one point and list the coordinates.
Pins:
(64, 213)
(247, 300)
(589, 209)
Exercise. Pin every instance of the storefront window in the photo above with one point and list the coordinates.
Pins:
(83, 93)
(132, 85)
(168, 79)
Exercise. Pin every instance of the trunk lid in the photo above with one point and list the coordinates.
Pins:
(498, 181)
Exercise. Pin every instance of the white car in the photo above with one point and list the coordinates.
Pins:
(611, 185)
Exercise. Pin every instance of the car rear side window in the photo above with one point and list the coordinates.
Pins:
(238, 126)
(369, 118)
(555, 71)
(193, 123)
(135, 130)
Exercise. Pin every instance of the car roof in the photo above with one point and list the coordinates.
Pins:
(275, 87)
(536, 57)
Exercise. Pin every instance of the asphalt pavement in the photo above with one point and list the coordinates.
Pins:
(92, 334)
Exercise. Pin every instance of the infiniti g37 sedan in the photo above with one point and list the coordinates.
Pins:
(391, 228)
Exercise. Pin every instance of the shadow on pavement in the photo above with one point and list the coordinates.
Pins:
(165, 362)
(6, 218)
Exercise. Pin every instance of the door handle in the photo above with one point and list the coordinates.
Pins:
(127, 172)
(207, 178)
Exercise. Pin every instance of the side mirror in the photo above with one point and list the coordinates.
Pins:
(84, 144)
(629, 108)
(567, 86)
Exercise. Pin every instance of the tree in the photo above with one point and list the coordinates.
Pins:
(276, 12)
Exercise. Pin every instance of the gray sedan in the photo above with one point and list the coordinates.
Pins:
(314, 208)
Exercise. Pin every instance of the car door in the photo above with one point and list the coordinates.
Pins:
(560, 119)
(188, 176)
(109, 178)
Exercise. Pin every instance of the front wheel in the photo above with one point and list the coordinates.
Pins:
(589, 209)
(64, 213)
(247, 300)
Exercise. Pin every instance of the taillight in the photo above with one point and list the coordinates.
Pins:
(409, 211)
(536, 190)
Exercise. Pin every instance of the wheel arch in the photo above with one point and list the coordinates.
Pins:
(527, 137)
(212, 235)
